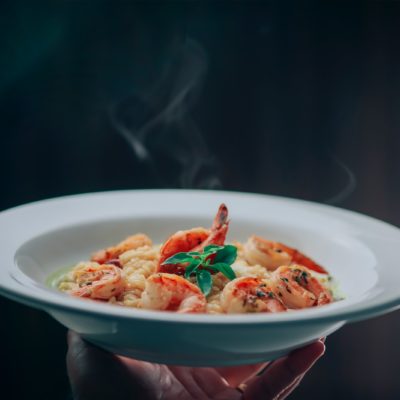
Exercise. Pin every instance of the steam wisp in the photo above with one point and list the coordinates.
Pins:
(348, 189)
(159, 129)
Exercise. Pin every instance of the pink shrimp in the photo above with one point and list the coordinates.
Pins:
(112, 253)
(172, 293)
(272, 255)
(297, 288)
(194, 240)
(97, 281)
(248, 294)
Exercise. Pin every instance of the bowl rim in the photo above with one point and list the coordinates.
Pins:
(16, 289)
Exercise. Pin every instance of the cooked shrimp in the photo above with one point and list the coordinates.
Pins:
(112, 253)
(194, 240)
(272, 255)
(172, 293)
(98, 281)
(297, 288)
(247, 294)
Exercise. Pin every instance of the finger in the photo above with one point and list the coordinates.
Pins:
(293, 385)
(239, 374)
(204, 383)
(284, 372)
(93, 373)
(185, 377)
(286, 392)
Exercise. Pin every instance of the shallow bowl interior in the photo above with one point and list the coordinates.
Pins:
(344, 256)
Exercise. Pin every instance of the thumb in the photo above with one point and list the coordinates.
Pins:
(284, 374)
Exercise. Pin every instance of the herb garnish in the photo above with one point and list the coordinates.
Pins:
(213, 258)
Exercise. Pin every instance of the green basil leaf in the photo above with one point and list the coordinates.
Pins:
(204, 281)
(211, 268)
(226, 270)
(226, 255)
(212, 248)
(193, 253)
(191, 268)
(178, 258)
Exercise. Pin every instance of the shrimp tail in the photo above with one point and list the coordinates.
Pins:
(218, 231)
(221, 218)
(300, 258)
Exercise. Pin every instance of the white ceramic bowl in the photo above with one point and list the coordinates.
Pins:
(39, 238)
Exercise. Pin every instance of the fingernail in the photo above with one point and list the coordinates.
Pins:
(323, 343)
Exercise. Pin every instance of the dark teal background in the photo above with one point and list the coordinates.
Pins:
(298, 100)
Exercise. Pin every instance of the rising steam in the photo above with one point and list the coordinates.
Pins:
(163, 136)
(349, 186)
(159, 129)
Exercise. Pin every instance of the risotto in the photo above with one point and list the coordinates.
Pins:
(195, 271)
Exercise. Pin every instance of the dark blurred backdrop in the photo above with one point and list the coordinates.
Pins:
(269, 97)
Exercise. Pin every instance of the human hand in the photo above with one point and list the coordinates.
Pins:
(97, 374)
